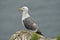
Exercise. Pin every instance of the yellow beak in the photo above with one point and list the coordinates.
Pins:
(19, 9)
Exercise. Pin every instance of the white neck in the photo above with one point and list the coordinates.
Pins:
(25, 15)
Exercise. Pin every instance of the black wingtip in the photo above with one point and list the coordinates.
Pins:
(39, 33)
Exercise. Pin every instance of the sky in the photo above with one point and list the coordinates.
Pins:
(45, 12)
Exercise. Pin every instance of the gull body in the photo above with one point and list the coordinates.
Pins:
(28, 21)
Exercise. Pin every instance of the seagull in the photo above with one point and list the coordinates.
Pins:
(28, 21)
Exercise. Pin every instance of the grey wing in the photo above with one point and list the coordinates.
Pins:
(30, 24)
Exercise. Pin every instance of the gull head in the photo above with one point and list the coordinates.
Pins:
(24, 8)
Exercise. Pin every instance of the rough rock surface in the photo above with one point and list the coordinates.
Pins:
(27, 35)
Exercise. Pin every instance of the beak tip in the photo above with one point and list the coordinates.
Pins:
(19, 9)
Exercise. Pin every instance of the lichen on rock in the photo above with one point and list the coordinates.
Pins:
(21, 35)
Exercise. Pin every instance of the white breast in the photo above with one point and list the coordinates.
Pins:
(24, 16)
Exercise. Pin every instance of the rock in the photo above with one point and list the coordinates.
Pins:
(27, 35)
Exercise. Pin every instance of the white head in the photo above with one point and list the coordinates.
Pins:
(25, 12)
(24, 8)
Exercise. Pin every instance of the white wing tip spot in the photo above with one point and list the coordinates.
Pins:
(34, 24)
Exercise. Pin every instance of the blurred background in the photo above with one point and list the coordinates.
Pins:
(45, 12)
